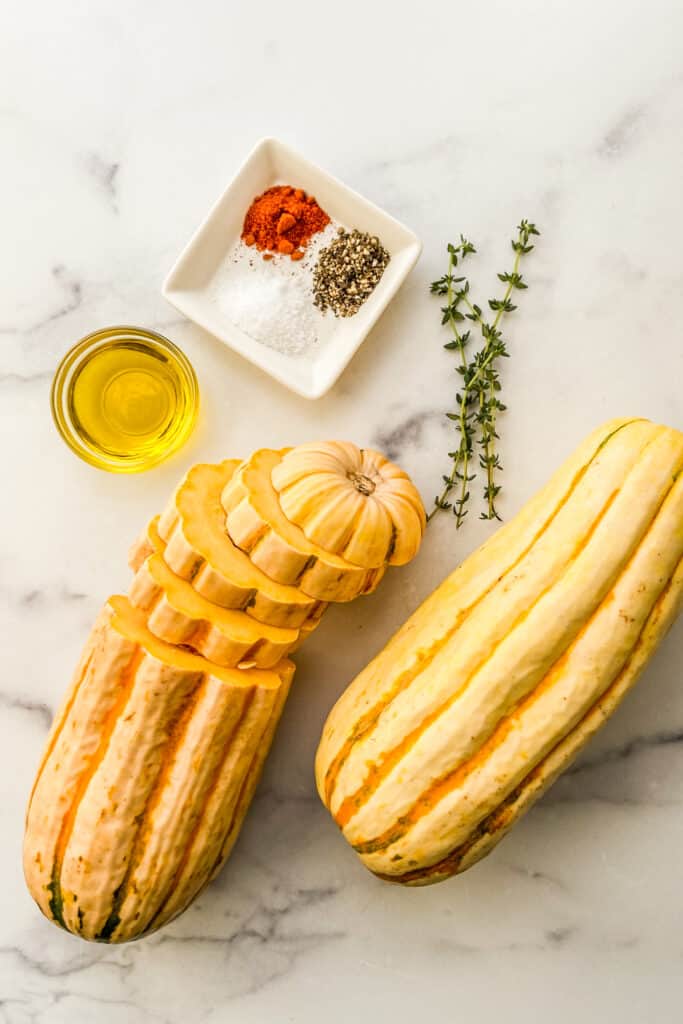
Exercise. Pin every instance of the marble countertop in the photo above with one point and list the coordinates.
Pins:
(121, 123)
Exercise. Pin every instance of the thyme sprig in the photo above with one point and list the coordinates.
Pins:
(463, 417)
(477, 400)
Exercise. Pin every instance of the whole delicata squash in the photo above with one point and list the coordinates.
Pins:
(256, 524)
(148, 772)
(494, 685)
(351, 501)
(198, 549)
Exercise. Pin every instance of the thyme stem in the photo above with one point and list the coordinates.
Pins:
(480, 377)
(463, 454)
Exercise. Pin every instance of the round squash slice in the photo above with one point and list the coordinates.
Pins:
(199, 550)
(177, 613)
(256, 524)
(352, 501)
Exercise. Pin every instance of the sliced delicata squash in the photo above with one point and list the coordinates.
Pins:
(199, 549)
(178, 614)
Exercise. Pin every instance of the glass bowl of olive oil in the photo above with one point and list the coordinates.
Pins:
(124, 398)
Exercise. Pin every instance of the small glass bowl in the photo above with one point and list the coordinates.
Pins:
(177, 367)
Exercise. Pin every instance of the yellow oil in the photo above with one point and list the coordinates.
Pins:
(131, 400)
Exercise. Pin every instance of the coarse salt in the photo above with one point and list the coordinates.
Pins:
(272, 300)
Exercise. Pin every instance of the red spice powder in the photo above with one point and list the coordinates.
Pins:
(283, 220)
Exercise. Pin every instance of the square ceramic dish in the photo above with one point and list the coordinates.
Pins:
(189, 285)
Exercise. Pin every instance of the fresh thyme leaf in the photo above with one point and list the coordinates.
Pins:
(477, 402)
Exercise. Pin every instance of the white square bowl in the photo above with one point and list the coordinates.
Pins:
(188, 286)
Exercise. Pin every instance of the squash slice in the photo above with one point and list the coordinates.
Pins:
(497, 681)
(180, 615)
(147, 775)
(199, 550)
(352, 501)
(257, 525)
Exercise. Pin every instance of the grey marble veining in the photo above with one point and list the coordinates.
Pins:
(119, 126)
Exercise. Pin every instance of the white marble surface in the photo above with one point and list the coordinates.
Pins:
(120, 124)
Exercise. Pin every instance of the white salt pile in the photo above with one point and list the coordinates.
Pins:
(272, 300)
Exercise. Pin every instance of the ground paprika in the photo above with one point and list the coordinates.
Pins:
(282, 220)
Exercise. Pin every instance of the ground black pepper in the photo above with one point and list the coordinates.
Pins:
(348, 271)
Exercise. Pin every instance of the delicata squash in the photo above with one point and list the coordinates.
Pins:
(494, 685)
(148, 772)
(152, 761)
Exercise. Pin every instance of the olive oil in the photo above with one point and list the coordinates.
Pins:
(129, 396)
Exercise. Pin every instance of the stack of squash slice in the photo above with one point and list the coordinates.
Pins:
(155, 754)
